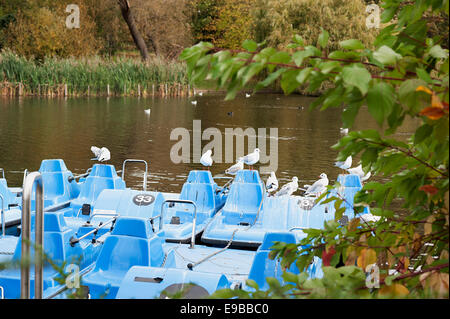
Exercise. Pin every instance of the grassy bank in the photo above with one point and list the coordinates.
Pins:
(94, 76)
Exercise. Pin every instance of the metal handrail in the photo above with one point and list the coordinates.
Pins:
(74, 240)
(25, 174)
(31, 179)
(181, 201)
(130, 160)
(3, 214)
(298, 228)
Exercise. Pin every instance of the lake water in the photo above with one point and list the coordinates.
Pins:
(33, 129)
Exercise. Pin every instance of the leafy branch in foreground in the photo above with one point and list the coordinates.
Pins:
(403, 74)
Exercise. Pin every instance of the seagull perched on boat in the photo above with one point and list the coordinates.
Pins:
(206, 159)
(252, 158)
(236, 167)
(359, 171)
(272, 183)
(147, 111)
(345, 164)
(319, 186)
(101, 154)
(289, 188)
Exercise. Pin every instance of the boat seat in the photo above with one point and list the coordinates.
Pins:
(349, 180)
(263, 266)
(131, 243)
(55, 179)
(8, 196)
(244, 198)
(100, 178)
(56, 246)
(199, 189)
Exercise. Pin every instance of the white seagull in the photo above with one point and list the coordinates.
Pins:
(206, 159)
(236, 167)
(272, 183)
(359, 171)
(319, 186)
(194, 102)
(101, 154)
(147, 111)
(343, 130)
(96, 151)
(345, 164)
(200, 93)
(247, 95)
(289, 188)
(252, 158)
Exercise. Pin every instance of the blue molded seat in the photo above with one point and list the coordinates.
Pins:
(131, 243)
(55, 178)
(349, 180)
(199, 188)
(9, 197)
(56, 246)
(244, 198)
(263, 266)
(100, 178)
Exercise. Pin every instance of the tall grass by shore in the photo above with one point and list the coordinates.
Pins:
(93, 76)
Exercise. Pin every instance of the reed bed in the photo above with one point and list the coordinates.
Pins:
(91, 77)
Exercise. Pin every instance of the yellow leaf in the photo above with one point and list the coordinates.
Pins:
(427, 228)
(351, 256)
(366, 257)
(394, 290)
(353, 224)
(436, 102)
(436, 282)
(424, 89)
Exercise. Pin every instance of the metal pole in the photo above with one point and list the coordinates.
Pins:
(30, 180)
(194, 221)
(136, 161)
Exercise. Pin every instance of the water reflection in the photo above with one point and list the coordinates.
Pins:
(32, 129)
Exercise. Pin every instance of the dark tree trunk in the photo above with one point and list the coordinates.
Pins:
(129, 19)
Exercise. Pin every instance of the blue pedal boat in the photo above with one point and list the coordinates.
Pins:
(56, 235)
(245, 221)
(202, 270)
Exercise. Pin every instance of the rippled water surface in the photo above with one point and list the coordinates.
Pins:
(33, 129)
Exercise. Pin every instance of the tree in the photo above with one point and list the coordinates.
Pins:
(403, 73)
(127, 15)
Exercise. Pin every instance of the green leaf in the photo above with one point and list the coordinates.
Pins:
(386, 55)
(323, 38)
(299, 56)
(349, 114)
(357, 76)
(289, 81)
(438, 52)
(250, 45)
(352, 44)
(380, 100)
(408, 95)
(422, 133)
(423, 75)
